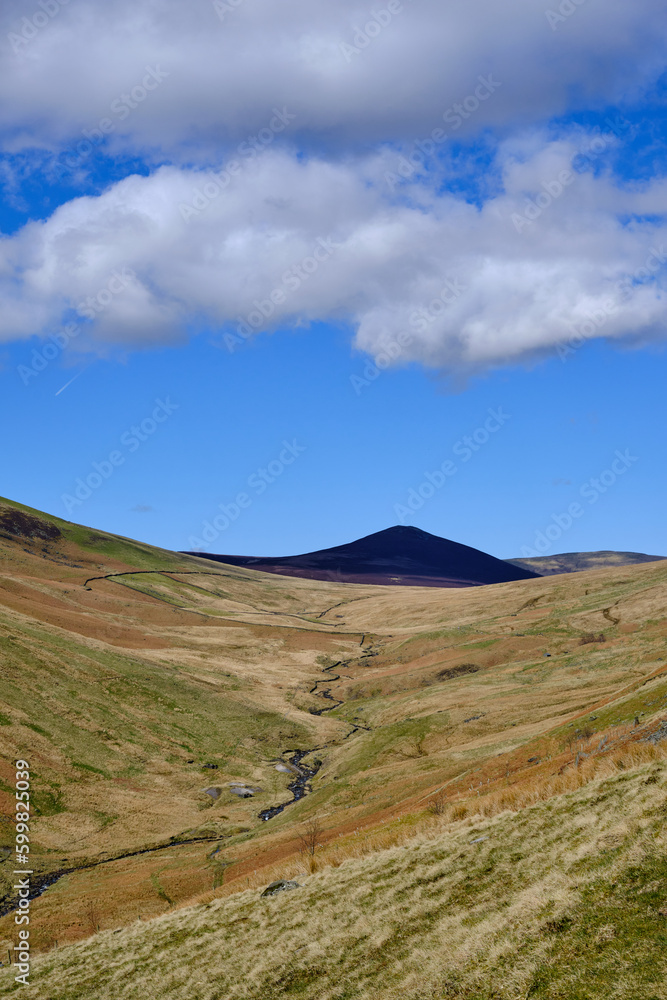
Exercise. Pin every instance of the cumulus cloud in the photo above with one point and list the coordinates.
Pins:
(290, 188)
(558, 255)
(353, 72)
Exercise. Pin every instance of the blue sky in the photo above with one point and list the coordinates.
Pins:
(488, 294)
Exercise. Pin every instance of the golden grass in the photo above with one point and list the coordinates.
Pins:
(139, 674)
(479, 909)
(527, 792)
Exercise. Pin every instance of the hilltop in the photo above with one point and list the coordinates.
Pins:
(408, 556)
(577, 562)
(398, 556)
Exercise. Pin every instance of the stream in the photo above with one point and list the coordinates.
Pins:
(299, 787)
(39, 883)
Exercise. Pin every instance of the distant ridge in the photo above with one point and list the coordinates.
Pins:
(576, 562)
(398, 556)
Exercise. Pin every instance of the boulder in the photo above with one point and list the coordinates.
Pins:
(244, 791)
(281, 885)
(213, 792)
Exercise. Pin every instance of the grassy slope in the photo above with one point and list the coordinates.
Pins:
(565, 899)
(119, 692)
(111, 691)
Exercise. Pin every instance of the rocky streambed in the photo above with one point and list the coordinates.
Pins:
(299, 787)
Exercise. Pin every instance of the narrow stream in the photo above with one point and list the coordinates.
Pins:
(325, 694)
(39, 883)
(298, 787)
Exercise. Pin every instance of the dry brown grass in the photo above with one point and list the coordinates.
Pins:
(478, 909)
(528, 792)
(251, 643)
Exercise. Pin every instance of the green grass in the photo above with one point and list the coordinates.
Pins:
(48, 803)
(616, 925)
(98, 701)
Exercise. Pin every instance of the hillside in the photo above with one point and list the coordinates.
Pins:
(577, 562)
(170, 706)
(398, 556)
(565, 899)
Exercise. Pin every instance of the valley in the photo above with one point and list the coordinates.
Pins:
(144, 686)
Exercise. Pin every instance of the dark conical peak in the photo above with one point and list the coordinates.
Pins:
(402, 531)
(397, 538)
(433, 554)
(400, 554)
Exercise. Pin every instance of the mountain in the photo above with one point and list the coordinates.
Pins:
(398, 556)
(576, 562)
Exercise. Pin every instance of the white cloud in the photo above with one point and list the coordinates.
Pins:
(225, 75)
(519, 288)
(472, 286)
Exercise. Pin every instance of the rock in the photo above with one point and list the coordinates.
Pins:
(281, 885)
(659, 734)
(244, 791)
(213, 792)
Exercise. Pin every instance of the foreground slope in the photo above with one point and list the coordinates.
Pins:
(400, 555)
(566, 898)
